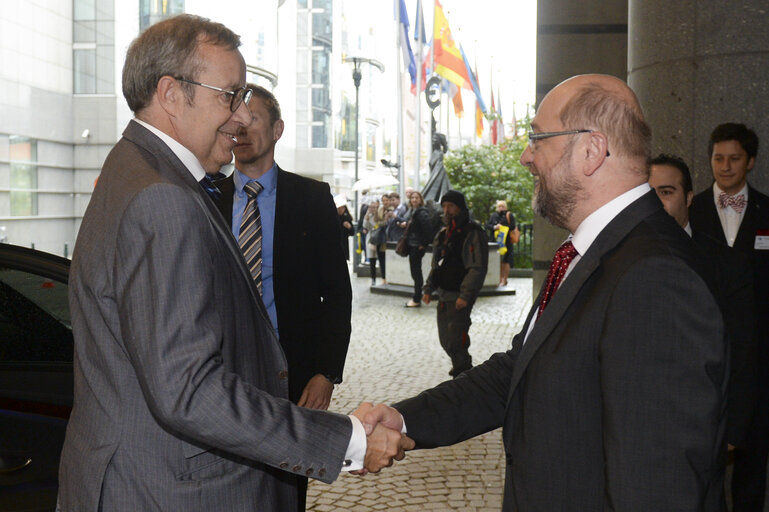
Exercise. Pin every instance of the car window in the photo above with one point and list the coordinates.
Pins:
(34, 318)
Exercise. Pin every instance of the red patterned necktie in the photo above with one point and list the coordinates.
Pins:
(736, 202)
(561, 261)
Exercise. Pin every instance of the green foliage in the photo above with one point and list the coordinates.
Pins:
(486, 174)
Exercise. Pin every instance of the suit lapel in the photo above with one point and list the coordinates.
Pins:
(175, 172)
(746, 233)
(282, 214)
(227, 187)
(559, 304)
(711, 223)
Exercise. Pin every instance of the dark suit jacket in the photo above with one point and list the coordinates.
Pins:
(616, 400)
(704, 219)
(313, 296)
(733, 280)
(180, 383)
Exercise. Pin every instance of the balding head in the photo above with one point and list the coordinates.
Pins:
(606, 104)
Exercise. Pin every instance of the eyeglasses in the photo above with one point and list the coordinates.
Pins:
(536, 137)
(238, 96)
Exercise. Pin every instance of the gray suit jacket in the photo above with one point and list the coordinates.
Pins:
(616, 400)
(180, 383)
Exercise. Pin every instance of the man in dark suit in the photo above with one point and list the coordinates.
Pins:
(733, 279)
(734, 213)
(180, 399)
(612, 396)
(305, 281)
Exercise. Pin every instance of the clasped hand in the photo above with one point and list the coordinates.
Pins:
(384, 441)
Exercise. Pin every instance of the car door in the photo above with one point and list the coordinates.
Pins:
(35, 376)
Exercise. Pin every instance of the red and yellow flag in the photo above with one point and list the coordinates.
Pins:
(448, 58)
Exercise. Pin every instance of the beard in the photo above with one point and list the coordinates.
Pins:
(556, 197)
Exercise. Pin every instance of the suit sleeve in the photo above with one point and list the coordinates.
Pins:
(663, 366)
(173, 341)
(462, 408)
(335, 290)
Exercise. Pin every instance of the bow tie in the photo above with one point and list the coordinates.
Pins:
(736, 202)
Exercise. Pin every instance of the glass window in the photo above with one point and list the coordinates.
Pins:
(84, 31)
(321, 26)
(23, 176)
(94, 67)
(85, 71)
(152, 11)
(302, 4)
(319, 137)
(321, 99)
(34, 318)
(371, 143)
(320, 67)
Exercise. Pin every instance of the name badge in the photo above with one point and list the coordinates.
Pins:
(762, 240)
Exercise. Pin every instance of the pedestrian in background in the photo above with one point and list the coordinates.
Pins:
(345, 223)
(419, 236)
(503, 217)
(374, 229)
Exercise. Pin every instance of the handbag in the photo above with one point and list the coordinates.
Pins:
(514, 234)
(402, 247)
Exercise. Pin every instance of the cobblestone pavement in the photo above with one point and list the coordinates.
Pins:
(394, 353)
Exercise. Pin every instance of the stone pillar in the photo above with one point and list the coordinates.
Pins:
(698, 63)
(574, 38)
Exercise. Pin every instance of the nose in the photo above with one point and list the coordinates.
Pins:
(242, 115)
(527, 156)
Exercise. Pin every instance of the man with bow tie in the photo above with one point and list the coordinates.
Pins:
(737, 215)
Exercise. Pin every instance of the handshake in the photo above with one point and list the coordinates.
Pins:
(384, 440)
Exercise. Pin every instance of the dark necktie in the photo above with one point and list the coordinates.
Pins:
(563, 257)
(208, 185)
(737, 202)
(250, 236)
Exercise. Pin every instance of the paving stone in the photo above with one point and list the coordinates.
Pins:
(394, 354)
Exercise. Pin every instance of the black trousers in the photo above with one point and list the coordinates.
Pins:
(415, 263)
(749, 476)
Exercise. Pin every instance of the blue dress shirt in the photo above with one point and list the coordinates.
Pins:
(266, 202)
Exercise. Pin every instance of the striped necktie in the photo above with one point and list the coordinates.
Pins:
(250, 237)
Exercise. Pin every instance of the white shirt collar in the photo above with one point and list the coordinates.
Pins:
(189, 160)
(591, 227)
(688, 229)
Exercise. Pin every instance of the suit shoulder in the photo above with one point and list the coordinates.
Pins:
(759, 197)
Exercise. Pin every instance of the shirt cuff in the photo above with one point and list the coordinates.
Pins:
(356, 449)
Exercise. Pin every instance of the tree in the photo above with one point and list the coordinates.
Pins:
(486, 174)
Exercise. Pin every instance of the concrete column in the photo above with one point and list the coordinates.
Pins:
(698, 63)
(574, 38)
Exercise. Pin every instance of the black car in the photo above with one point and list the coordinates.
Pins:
(35, 376)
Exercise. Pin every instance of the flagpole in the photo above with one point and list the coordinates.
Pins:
(399, 79)
(419, 24)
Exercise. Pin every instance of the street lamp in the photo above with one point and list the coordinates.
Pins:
(356, 76)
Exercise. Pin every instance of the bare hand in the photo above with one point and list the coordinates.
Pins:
(426, 298)
(384, 442)
(461, 303)
(317, 393)
(497, 226)
(347, 225)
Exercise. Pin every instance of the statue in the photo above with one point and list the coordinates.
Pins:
(438, 182)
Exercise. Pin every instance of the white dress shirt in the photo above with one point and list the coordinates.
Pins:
(591, 227)
(730, 219)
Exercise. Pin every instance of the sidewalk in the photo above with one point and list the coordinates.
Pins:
(394, 354)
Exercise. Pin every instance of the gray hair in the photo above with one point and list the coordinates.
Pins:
(169, 48)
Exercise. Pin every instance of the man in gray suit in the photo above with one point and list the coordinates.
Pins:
(612, 396)
(180, 383)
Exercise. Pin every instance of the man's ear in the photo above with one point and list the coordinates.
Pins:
(277, 130)
(170, 96)
(751, 163)
(689, 197)
(596, 151)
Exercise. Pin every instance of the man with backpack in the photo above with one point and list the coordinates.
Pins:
(460, 260)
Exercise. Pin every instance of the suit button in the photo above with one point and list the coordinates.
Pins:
(321, 472)
(296, 469)
(308, 472)
(283, 465)
(283, 375)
